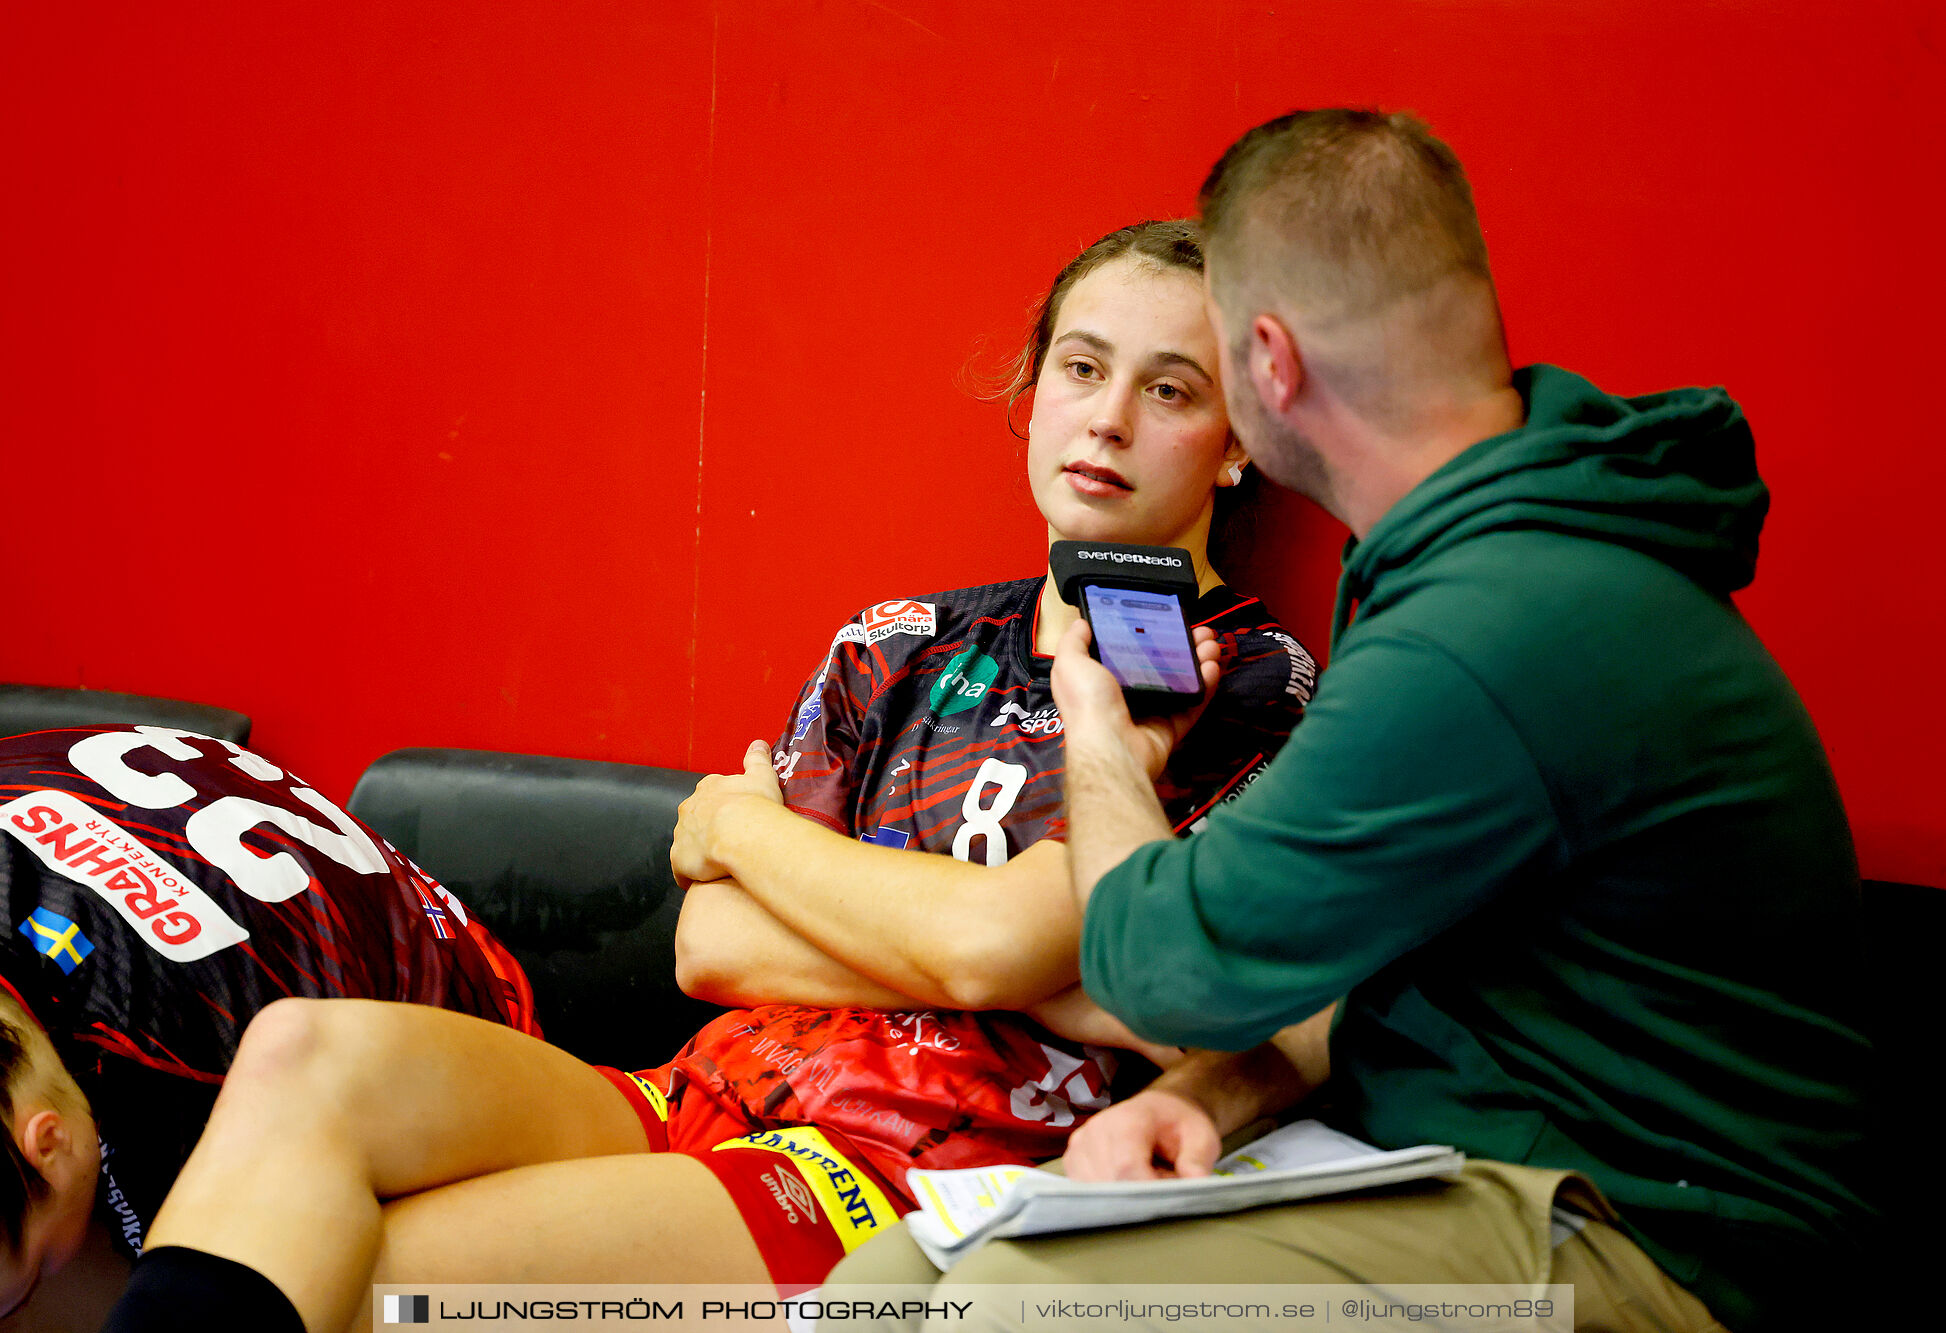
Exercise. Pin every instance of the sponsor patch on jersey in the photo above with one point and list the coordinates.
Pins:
(124, 1212)
(856, 1207)
(1244, 783)
(899, 617)
(1304, 671)
(887, 836)
(164, 907)
(1230, 793)
(792, 1195)
(435, 916)
(813, 710)
(963, 682)
(54, 936)
(425, 883)
(1041, 722)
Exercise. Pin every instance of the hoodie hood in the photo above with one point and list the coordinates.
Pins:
(1671, 474)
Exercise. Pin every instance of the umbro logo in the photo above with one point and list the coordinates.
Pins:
(792, 1195)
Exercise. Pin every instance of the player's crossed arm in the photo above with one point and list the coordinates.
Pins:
(945, 934)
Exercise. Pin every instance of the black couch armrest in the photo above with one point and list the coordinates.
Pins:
(1905, 925)
(25, 708)
(567, 861)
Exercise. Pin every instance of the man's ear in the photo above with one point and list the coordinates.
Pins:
(1276, 369)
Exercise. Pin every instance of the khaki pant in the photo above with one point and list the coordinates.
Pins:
(1495, 1224)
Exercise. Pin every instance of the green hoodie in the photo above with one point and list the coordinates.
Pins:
(1562, 834)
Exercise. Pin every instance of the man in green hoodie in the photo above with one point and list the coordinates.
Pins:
(1555, 868)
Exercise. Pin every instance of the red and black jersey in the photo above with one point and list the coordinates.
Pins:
(158, 888)
(931, 726)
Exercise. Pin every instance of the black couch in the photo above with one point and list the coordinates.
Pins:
(567, 861)
(1905, 929)
(25, 708)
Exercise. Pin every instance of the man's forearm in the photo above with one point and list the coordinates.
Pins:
(1112, 809)
(1238, 1087)
(1306, 1047)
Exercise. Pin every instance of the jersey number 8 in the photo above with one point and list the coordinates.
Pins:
(983, 814)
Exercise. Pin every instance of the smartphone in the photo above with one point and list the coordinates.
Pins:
(1143, 640)
(1136, 599)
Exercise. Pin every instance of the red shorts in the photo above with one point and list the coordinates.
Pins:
(808, 1195)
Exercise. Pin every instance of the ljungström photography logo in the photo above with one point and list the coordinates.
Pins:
(408, 1309)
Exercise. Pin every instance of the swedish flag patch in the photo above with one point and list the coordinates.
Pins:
(57, 937)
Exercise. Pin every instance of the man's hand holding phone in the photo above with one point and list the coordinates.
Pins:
(1092, 704)
(1137, 602)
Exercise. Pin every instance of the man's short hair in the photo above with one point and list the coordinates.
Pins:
(1339, 212)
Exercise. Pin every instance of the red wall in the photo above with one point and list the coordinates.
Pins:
(555, 378)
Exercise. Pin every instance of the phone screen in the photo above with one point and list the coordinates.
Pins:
(1141, 639)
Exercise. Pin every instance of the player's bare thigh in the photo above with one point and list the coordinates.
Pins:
(416, 1096)
(641, 1218)
(334, 1105)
